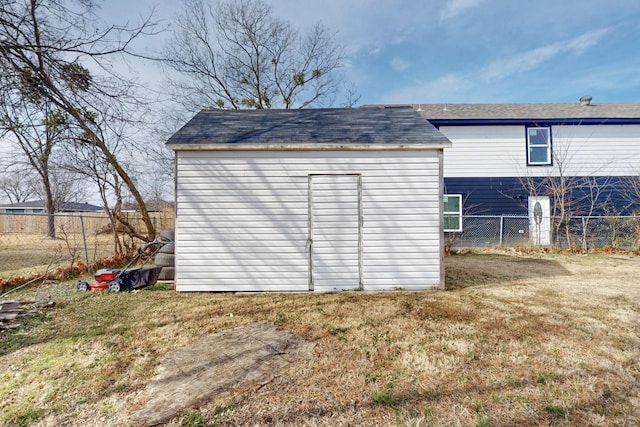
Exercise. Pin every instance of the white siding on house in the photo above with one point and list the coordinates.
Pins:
(483, 151)
(243, 218)
(500, 151)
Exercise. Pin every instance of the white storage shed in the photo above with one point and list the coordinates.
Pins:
(309, 200)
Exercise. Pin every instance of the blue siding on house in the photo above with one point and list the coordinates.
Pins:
(489, 196)
(507, 196)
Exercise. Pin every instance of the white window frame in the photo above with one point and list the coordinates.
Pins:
(457, 213)
(547, 145)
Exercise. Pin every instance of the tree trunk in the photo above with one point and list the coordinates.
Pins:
(49, 205)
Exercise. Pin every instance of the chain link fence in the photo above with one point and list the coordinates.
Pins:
(85, 238)
(26, 248)
(579, 232)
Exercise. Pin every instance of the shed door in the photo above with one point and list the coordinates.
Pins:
(335, 232)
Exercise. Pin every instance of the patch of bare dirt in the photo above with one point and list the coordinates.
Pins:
(483, 269)
(215, 365)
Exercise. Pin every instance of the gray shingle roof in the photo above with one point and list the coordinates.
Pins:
(528, 111)
(370, 125)
(64, 207)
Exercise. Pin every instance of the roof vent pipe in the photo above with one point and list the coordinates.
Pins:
(585, 100)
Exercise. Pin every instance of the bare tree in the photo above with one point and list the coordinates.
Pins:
(235, 54)
(351, 97)
(108, 183)
(593, 195)
(630, 190)
(47, 48)
(92, 165)
(68, 187)
(37, 130)
(559, 188)
(631, 193)
(18, 182)
(571, 192)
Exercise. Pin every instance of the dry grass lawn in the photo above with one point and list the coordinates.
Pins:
(515, 340)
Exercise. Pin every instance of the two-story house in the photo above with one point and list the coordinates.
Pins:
(579, 158)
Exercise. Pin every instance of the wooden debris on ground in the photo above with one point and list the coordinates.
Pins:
(11, 311)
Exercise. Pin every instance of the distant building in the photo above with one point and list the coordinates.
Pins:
(38, 206)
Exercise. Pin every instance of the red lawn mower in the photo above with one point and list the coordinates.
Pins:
(128, 278)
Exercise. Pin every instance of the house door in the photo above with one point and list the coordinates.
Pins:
(539, 220)
(335, 232)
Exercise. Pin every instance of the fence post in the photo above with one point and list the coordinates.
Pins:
(84, 241)
(501, 228)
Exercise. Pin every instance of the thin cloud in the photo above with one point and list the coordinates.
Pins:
(400, 65)
(529, 60)
(581, 43)
(452, 87)
(457, 7)
(610, 78)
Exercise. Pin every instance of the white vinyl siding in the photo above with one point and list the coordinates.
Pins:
(582, 150)
(243, 218)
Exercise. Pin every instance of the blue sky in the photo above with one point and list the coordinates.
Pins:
(467, 51)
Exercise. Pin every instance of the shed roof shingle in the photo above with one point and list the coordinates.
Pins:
(371, 125)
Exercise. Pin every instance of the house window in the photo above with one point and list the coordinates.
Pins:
(538, 146)
(453, 212)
